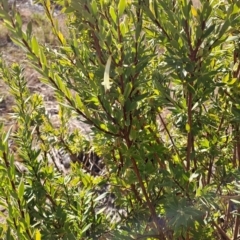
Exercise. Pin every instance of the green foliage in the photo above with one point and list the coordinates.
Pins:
(158, 83)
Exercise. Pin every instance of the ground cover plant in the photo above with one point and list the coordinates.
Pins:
(157, 83)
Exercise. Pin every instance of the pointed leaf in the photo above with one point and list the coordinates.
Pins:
(194, 11)
(38, 235)
(21, 190)
(106, 81)
(100, 197)
(35, 46)
(113, 14)
(86, 228)
(121, 7)
(187, 127)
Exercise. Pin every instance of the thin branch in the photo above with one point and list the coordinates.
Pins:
(237, 224)
(168, 133)
(189, 135)
(149, 202)
(148, 236)
(221, 232)
(14, 188)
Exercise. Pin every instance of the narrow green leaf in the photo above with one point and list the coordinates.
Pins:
(185, 8)
(127, 90)
(19, 20)
(208, 31)
(101, 210)
(195, 105)
(232, 38)
(205, 143)
(130, 105)
(133, 134)
(123, 28)
(235, 201)
(224, 28)
(43, 60)
(35, 46)
(38, 235)
(113, 14)
(94, 7)
(100, 197)
(187, 127)
(121, 7)
(155, 7)
(194, 11)
(86, 228)
(48, 5)
(29, 29)
(61, 37)
(138, 30)
(21, 190)
(8, 134)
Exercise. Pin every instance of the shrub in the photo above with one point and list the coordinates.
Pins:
(157, 82)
